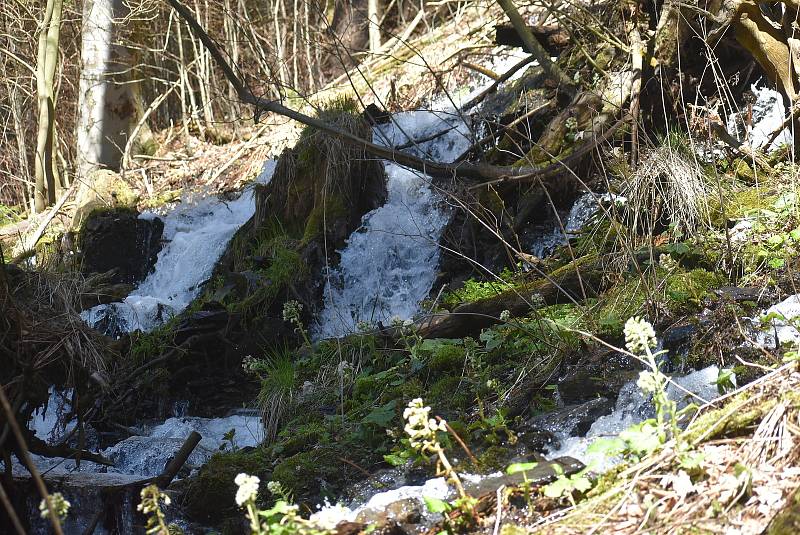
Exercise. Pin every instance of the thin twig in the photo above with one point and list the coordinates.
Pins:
(26, 458)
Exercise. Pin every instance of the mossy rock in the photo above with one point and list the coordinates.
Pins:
(685, 292)
(450, 393)
(210, 494)
(102, 190)
(310, 474)
(740, 203)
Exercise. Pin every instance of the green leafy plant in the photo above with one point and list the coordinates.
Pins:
(279, 376)
(566, 486)
(282, 518)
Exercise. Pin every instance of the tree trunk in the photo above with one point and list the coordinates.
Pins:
(46, 60)
(106, 103)
(373, 18)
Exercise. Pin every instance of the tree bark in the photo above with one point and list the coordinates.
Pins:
(46, 60)
(373, 18)
(106, 101)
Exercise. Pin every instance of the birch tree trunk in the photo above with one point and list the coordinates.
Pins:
(107, 98)
(373, 19)
(47, 57)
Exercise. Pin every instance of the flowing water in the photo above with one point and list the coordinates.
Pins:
(196, 234)
(389, 264)
(387, 267)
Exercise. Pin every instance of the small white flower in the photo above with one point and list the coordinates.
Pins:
(667, 262)
(292, 311)
(60, 506)
(421, 429)
(329, 516)
(274, 487)
(639, 336)
(248, 488)
(505, 316)
(647, 382)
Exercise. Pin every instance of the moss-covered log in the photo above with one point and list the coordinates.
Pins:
(573, 282)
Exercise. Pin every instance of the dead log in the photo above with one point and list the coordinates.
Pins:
(565, 285)
(177, 462)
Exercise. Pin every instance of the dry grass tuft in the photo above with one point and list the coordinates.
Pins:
(668, 188)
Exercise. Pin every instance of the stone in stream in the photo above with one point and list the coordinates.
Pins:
(119, 240)
(600, 373)
(572, 420)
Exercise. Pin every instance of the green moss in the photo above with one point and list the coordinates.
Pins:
(210, 494)
(624, 300)
(730, 420)
(475, 290)
(10, 214)
(309, 473)
(495, 458)
(740, 203)
(450, 393)
(322, 215)
(512, 529)
(285, 266)
(165, 197)
(743, 170)
(685, 291)
(296, 437)
(447, 356)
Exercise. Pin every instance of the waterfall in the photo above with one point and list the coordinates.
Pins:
(196, 234)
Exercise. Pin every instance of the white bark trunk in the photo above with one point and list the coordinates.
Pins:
(107, 110)
(373, 19)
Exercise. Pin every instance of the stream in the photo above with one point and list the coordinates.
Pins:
(387, 268)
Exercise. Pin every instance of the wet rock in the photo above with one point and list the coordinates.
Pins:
(598, 374)
(113, 497)
(741, 295)
(102, 294)
(119, 239)
(575, 420)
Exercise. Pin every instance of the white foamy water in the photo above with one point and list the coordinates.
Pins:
(147, 453)
(768, 115)
(389, 264)
(196, 234)
(631, 408)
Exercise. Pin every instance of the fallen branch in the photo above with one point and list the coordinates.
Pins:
(28, 244)
(533, 46)
(178, 460)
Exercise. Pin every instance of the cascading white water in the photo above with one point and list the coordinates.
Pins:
(631, 408)
(768, 113)
(389, 264)
(195, 235)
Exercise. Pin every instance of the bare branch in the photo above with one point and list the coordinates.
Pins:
(465, 170)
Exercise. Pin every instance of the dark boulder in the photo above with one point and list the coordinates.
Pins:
(601, 373)
(119, 240)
